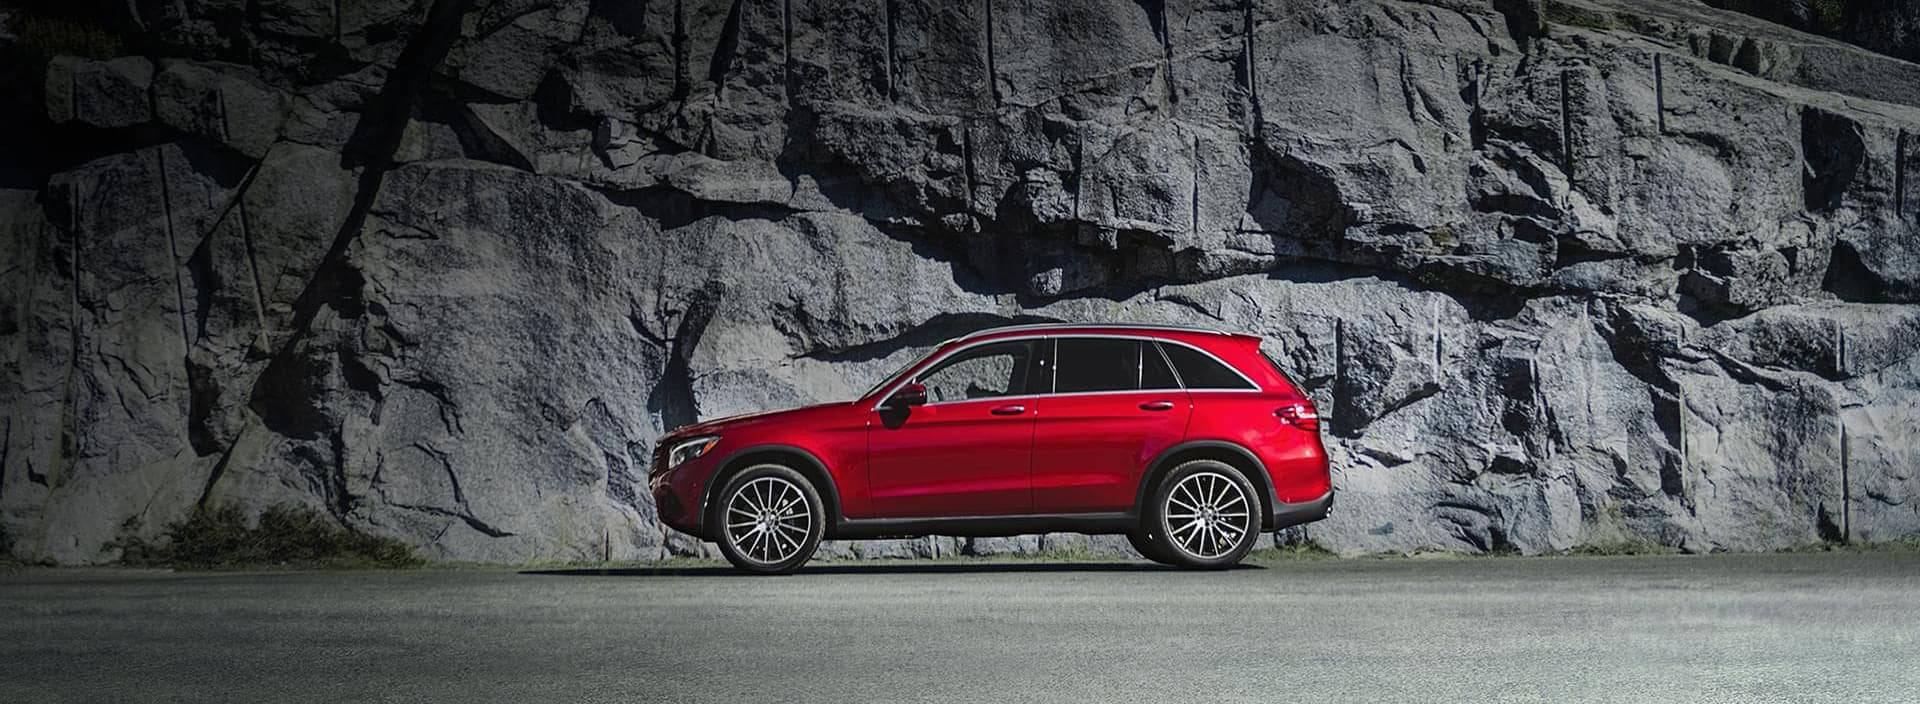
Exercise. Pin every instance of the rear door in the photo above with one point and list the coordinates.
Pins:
(1115, 404)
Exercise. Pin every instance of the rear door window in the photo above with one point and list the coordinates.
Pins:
(1154, 372)
(1089, 364)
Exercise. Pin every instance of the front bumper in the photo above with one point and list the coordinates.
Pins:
(678, 494)
(1293, 514)
(678, 513)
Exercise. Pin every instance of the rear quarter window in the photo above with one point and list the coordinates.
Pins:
(1198, 370)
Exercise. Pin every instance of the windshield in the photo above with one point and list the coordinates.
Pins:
(895, 374)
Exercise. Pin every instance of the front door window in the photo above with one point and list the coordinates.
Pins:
(988, 371)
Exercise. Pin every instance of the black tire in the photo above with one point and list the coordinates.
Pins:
(760, 523)
(1218, 534)
(1147, 542)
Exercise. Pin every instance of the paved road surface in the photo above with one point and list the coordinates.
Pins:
(1765, 628)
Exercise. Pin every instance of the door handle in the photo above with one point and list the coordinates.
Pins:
(1157, 406)
(1009, 410)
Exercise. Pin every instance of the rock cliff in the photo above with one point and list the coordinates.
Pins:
(1562, 272)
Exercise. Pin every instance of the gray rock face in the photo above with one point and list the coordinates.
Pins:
(99, 93)
(1890, 27)
(1560, 273)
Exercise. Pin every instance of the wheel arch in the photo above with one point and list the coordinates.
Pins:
(1233, 454)
(799, 459)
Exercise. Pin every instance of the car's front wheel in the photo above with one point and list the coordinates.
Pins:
(771, 519)
(1207, 515)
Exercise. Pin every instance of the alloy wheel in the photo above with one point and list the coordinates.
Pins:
(1207, 515)
(768, 520)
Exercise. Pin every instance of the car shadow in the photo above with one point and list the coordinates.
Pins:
(904, 567)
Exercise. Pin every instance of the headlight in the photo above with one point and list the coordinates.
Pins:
(689, 449)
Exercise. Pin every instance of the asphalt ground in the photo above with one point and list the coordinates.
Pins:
(1819, 627)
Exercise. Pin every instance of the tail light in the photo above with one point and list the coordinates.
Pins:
(1300, 415)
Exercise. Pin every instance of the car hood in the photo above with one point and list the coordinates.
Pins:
(719, 425)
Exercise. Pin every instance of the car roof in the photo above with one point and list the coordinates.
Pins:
(1206, 339)
(1182, 332)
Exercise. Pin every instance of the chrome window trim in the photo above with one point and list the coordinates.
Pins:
(1140, 365)
(1025, 397)
(1053, 370)
(1217, 360)
(904, 380)
(1112, 393)
(1137, 371)
(935, 362)
(1021, 397)
(1175, 371)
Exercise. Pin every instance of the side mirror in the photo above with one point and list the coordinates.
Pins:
(913, 394)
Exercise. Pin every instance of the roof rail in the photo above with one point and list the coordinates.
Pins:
(1052, 326)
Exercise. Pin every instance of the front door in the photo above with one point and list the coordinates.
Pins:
(968, 451)
(1115, 406)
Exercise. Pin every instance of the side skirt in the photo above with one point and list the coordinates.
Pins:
(982, 526)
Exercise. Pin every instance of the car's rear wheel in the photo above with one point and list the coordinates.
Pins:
(1148, 542)
(770, 519)
(1207, 513)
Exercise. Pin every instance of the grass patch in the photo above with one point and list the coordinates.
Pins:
(285, 536)
(6, 548)
(1562, 14)
(43, 29)
(1621, 548)
(1292, 551)
(1907, 544)
(1829, 15)
(667, 563)
(42, 37)
(10, 561)
(1823, 17)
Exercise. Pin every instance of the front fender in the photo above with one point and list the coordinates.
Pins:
(811, 466)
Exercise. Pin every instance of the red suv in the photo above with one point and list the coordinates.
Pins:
(1191, 442)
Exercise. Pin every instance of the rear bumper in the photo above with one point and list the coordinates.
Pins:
(1293, 514)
